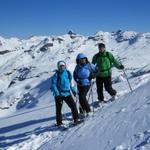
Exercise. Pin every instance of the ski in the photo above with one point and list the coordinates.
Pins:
(62, 127)
(66, 126)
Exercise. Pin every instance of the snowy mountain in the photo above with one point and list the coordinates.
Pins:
(27, 108)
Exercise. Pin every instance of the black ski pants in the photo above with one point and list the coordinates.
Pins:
(70, 102)
(106, 81)
(83, 90)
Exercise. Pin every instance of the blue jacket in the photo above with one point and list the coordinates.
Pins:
(83, 72)
(62, 86)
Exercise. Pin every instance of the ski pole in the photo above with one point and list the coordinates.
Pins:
(127, 80)
(91, 94)
(126, 76)
(90, 90)
(92, 97)
(80, 107)
(75, 97)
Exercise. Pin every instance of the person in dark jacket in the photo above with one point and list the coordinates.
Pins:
(82, 75)
(104, 61)
(61, 86)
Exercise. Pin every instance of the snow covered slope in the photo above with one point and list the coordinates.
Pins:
(121, 125)
(27, 108)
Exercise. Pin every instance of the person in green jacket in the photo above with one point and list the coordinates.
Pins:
(104, 61)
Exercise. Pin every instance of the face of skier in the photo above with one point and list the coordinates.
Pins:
(101, 49)
(82, 61)
(62, 67)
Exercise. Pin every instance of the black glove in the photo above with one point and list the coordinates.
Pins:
(121, 67)
(58, 97)
(59, 100)
(79, 82)
(90, 77)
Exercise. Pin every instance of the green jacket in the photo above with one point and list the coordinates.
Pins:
(104, 62)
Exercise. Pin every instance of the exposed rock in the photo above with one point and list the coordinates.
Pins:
(46, 47)
(1, 93)
(11, 83)
(28, 51)
(59, 39)
(23, 72)
(4, 52)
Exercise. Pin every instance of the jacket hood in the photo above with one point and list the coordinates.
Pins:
(80, 56)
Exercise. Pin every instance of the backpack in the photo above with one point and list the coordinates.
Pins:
(58, 78)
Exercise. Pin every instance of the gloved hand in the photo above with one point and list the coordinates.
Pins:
(96, 69)
(90, 77)
(79, 83)
(58, 97)
(121, 67)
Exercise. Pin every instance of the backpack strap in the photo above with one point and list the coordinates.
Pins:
(69, 75)
(75, 76)
(58, 75)
(96, 57)
(107, 55)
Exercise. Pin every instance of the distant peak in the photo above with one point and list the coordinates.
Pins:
(71, 32)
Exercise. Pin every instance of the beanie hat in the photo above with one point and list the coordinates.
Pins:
(101, 45)
(62, 63)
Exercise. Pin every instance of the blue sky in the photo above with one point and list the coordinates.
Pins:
(23, 18)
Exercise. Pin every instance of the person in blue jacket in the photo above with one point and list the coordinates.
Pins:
(83, 74)
(61, 86)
